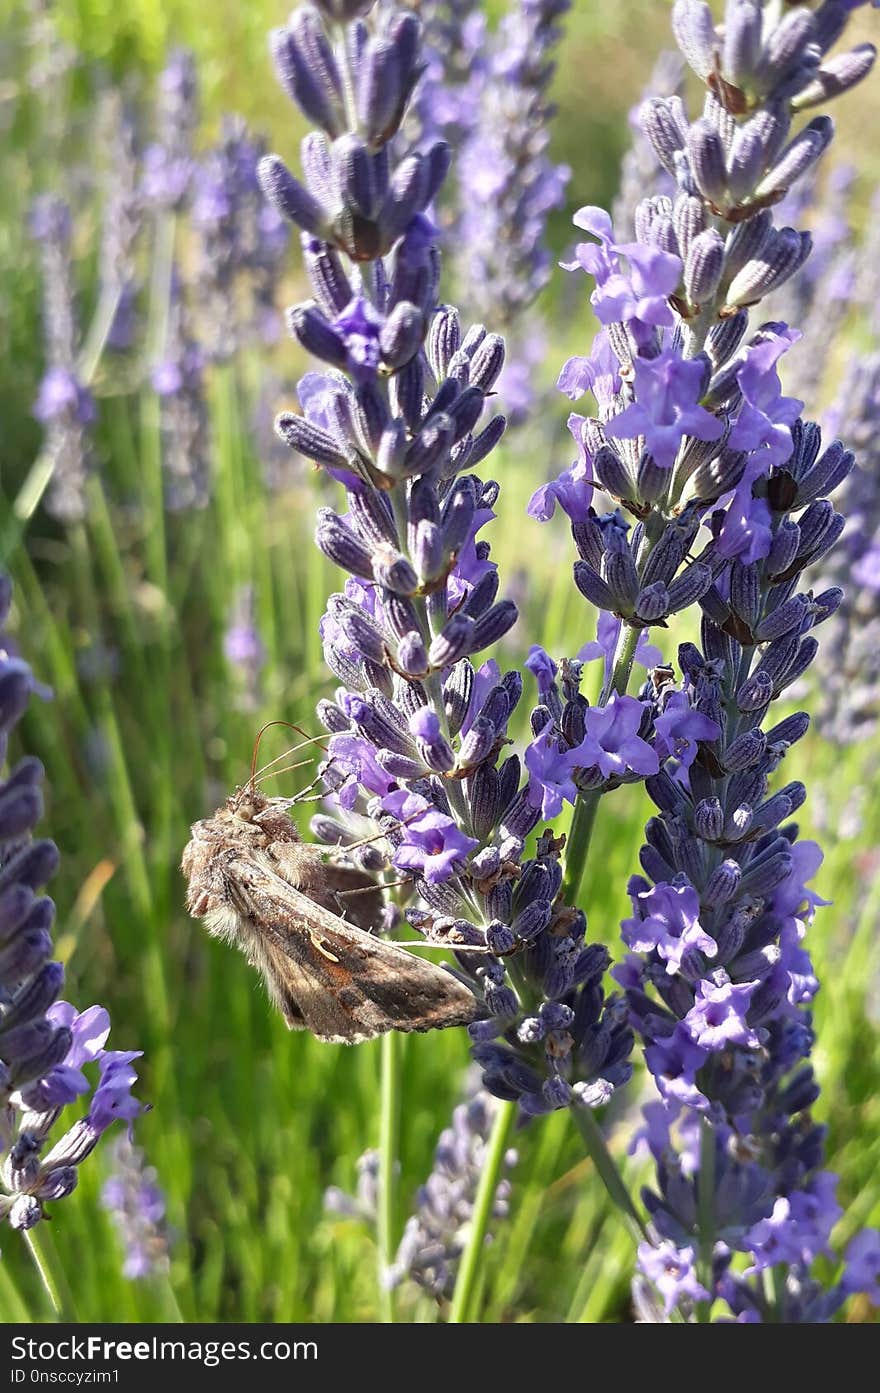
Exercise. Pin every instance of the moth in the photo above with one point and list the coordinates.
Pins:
(255, 884)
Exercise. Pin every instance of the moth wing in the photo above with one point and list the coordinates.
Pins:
(337, 981)
(340, 887)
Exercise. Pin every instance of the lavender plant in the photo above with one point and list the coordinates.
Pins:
(726, 487)
(64, 404)
(45, 1043)
(694, 433)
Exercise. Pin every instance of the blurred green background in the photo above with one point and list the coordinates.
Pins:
(124, 617)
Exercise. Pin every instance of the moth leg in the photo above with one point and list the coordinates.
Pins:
(323, 949)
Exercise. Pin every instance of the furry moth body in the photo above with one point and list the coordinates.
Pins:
(256, 885)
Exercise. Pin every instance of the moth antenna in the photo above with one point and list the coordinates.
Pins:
(309, 739)
(262, 774)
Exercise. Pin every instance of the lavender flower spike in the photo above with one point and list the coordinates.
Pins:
(45, 1044)
(698, 443)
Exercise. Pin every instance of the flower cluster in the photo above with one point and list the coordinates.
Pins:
(154, 199)
(45, 1044)
(134, 1199)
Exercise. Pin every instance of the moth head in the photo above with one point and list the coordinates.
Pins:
(246, 803)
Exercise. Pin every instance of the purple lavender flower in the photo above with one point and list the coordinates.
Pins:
(432, 845)
(666, 407)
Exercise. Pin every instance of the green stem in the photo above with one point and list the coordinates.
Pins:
(577, 843)
(621, 667)
(465, 1284)
(580, 834)
(389, 1127)
(55, 1284)
(606, 1167)
(706, 1214)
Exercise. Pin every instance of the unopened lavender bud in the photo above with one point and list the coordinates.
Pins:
(688, 220)
(702, 271)
(487, 362)
(784, 619)
(709, 820)
(458, 518)
(290, 198)
(771, 813)
(622, 579)
(412, 656)
(806, 652)
(493, 625)
(762, 878)
(652, 603)
(307, 324)
(745, 752)
(340, 545)
(836, 75)
(532, 920)
(741, 49)
(784, 47)
(722, 885)
(444, 340)
(466, 410)
(431, 446)
(664, 122)
(401, 335)
(651, 481)
(453, 642)
(745, 593)
(486, 441)
(394, 571)
(690, 586)
(392, 452)
(784, 548)
(706, 150)
(307, 70)
(745, 245)
(785, 253)
(477, 745)
(746, 161)
(829, 470)
(309, 440)
(612, 473)
(427, 551)
(592, 587)
(694, 29)
(755, 692)
(803, 152)
(814, 523)
(363, 633)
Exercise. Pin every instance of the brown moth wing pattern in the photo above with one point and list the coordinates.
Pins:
(329, 977)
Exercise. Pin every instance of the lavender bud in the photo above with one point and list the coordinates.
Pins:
(702, 271)
(493, 625)
(835, 76)
(709, 820)
(706, 151)
(340, 545)
(787, 250)
(455, 641)
(755, 692)
(722, 885)
(290, 198)
(803, 151)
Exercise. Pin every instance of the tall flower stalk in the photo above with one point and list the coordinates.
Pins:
(727, 486)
